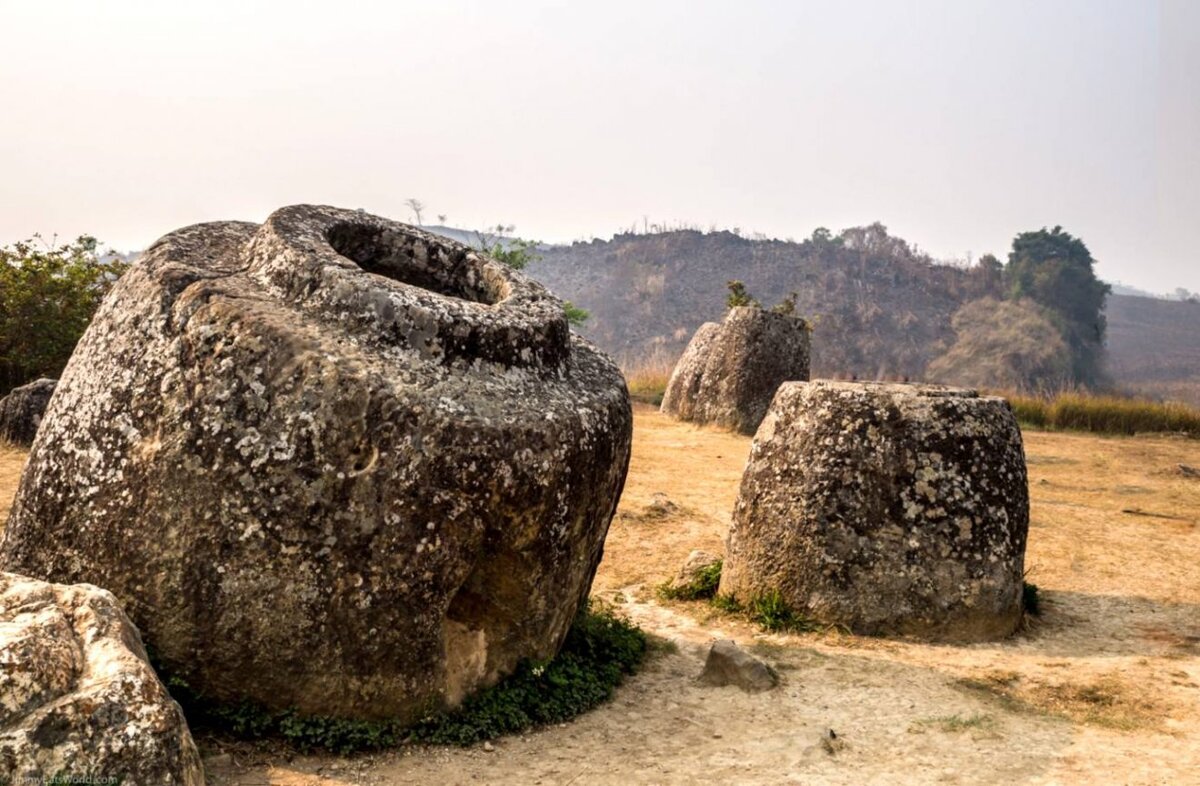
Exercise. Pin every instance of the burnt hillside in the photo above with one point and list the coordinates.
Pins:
(879, 309)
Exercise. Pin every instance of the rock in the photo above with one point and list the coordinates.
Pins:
(694, 566)
(21, 411)
(660, 507)
(77, 695)
(331, 463)
(729, 664)
(1188, 471)
(729, 372)
(886, 508)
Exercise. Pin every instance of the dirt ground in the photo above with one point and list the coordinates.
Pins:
(1103, 688)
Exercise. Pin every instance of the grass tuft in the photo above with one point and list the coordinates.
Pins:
(768, 610)
(600, 649)
(704, 585)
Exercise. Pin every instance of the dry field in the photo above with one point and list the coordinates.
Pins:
(1103, 688)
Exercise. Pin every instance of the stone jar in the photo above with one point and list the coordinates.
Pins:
(886, 508)
(730, 371)
(330, 463)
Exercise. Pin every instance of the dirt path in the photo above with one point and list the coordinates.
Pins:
(1104, 689)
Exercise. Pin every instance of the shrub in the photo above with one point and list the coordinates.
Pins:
(599, 651)
(47, 297)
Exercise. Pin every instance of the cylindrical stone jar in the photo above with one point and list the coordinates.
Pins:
(885, 508)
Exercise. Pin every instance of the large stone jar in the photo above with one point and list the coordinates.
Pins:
(331, 463)
(730, 370)
(886, 508)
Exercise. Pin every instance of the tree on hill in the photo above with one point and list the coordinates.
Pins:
(1055, 269)
(48, 294)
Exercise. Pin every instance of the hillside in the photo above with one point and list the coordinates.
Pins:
(880, 308)
(1154, 346)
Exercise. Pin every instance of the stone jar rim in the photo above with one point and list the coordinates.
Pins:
(394, 284)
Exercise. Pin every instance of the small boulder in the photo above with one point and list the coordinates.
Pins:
(729, 664)
(77, 695)
(697, 564)
(729, 372)
(21, 411)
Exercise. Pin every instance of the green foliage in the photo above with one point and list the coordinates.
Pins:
(771, 612)
(519, 254)
(1055, 269)
(47, 297)
(516, 253)
(767, 610)
(575, 315)
(1105, 414)
(738, 296)
(704, 585)
(787, 306)
(599, 651)
(1030, 599)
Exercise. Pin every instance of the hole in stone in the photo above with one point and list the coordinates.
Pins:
(408, 259)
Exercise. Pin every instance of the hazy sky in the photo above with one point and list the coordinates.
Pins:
(955, 123)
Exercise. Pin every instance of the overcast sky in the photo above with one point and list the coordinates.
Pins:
(955, 123)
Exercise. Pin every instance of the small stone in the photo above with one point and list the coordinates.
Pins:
(488, 747)
(696, 563)
(729, 664)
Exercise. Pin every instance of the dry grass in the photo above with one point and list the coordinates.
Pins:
(647, 380)
(1105, 414)
(12, 461)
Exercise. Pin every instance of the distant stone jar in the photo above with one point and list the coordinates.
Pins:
(886, 508)
(331, 463)
(730, 371)
(22, 409)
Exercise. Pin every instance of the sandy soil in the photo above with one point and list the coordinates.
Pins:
(1103, 688)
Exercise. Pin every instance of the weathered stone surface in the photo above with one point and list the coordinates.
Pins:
(330, 463)
(77, 696)
(891, 509)
(696, 563)
(729, 372)
(22, 409)
(683, 388)
(729, 664)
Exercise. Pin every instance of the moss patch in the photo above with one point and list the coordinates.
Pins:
(601, 648)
